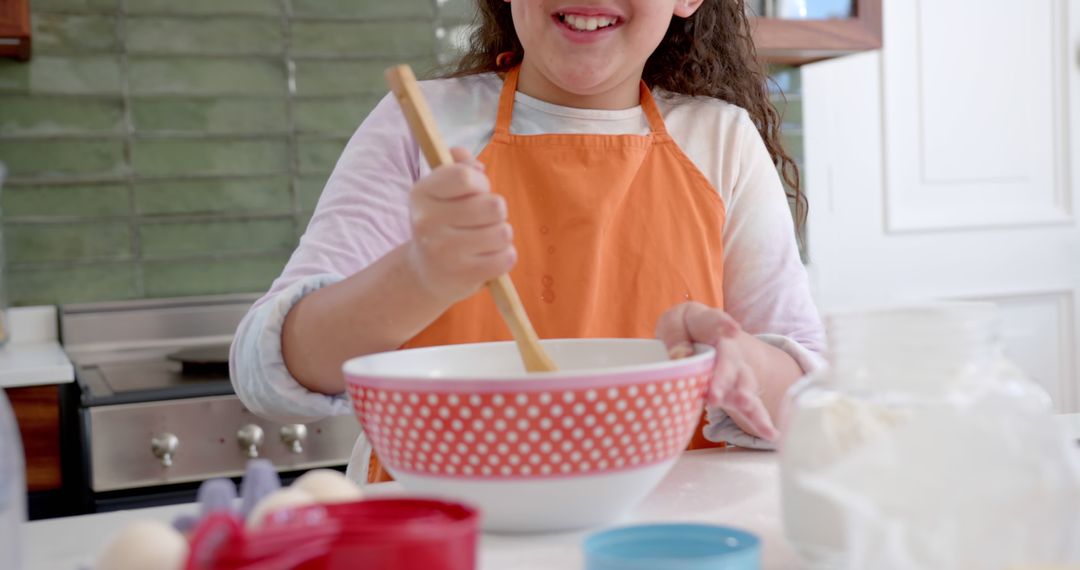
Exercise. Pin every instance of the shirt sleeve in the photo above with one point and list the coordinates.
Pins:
(361, 216)
(766, 288)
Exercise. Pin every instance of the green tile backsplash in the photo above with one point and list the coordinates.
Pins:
(199, 75)
(56, 115)
(57, 159)
(261, 195)
(366, 9)
(34, 284)
(68, 201)
(190, 238)
(210, 157)
(332, 115)
(73, 75)
(159, 148)
(245, 273)
(390, 39)
(67, 242)
(225, 35)
(205, 7)
(72, 34)
(210, 115)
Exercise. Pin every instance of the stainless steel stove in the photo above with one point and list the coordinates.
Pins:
(156, 411)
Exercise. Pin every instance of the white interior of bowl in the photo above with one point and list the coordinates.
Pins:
(500, 360)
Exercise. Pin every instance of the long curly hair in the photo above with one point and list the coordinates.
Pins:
(709, 54)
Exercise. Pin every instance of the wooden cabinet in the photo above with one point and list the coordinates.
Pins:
(796, 42)
(37, 411)
(15, 29)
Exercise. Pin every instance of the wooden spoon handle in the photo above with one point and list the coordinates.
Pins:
(403, 84)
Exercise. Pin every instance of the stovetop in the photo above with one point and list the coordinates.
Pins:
(152, 350)
(125, 381)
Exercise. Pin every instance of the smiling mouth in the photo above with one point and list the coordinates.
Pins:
(582, 23)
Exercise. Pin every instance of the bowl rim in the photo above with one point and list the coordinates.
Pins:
(700, 362)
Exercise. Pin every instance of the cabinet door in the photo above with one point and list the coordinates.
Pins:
(946, 166)
(37, 411)
(15, 29)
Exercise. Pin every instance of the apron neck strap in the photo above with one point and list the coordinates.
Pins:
(509, 89)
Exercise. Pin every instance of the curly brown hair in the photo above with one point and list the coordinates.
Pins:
(709, 54)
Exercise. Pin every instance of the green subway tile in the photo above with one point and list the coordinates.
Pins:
(67, 75)
(83, 201)
(308, 190)
(338, 115)
(76, 5)
(364, 8)
(71, 284)
(211, 276)
(462, 10)
(389, 39)
(189, 238)
(66, 242)
(791, 110)
(315, 77)
(201, 76)
(794, 146)
(260, 36)
(45, 158)
(318, 156)
(69, 33)
(229, 196)
(250, 7)
(302, 220)
(51, 115)
(209, 115)
(155, 157)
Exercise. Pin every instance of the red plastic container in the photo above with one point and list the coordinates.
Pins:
(389, 534)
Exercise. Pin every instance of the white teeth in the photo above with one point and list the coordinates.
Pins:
(587, 23)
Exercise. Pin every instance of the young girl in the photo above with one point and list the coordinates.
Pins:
(624, 150)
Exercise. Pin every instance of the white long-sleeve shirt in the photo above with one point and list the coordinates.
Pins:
(363, 214)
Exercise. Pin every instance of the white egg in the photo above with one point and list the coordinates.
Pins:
(328, 486)
(280, 499)
(145, 545)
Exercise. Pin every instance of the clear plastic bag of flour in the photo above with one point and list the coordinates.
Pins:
(922, 448)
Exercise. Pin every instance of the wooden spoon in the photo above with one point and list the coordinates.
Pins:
(403, 84)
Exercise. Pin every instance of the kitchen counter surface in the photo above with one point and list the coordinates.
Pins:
(730, 487)
(33, 356)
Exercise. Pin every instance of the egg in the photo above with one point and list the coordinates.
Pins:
(145, 545)
(328, 486)
(281, 499)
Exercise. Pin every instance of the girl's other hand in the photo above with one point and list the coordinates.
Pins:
(734, 386)
(460, 237)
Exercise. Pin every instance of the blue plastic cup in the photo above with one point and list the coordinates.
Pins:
(673, 547)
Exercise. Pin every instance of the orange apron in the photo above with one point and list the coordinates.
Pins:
(611, 231)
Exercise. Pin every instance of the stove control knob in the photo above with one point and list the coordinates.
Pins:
(293, 436)
(164, 447)
(250, 437)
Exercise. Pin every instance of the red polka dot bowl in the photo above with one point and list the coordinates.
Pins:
(536, 452)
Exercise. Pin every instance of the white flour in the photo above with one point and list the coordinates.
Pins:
(917, 468)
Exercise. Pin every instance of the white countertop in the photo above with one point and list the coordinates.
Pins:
(737, 488)
(730, 487)
(33, 356)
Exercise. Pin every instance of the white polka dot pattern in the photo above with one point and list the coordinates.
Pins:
(530, 434)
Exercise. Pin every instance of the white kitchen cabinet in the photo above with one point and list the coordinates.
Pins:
(947, 166)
